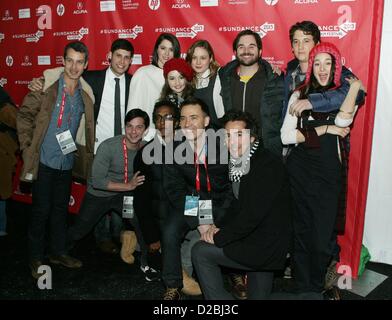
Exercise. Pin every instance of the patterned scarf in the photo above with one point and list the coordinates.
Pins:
(240, 166)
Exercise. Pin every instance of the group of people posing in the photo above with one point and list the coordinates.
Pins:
(229, 168)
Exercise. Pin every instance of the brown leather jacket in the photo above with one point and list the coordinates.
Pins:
(33, 120)
(8, 149)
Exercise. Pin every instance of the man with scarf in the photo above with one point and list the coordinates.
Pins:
(255, 233)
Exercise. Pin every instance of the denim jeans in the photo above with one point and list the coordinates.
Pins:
(51, 192)
(92, 210)
(207, 259)
(109, 227)
(173, 234)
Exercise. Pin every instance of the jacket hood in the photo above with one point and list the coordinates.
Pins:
(53, 75)
(326, 47)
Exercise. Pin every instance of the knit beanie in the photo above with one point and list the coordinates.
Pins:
(179, 65)
(326, 47)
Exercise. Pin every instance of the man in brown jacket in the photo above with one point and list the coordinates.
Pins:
(8, 149)
(56, 135)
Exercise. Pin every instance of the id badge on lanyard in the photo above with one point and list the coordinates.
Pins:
(204, 206)
(191, 206)
(64, 139)
(66, 142)
(205, 212)
(128, 211)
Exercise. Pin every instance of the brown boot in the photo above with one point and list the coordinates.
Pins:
(34, 265)
(190, 286)
(129, 241)
(238, 286)
(172, 294)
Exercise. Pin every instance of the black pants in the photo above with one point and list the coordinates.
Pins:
(51, 192)
(173, 232)
(207, 260)
(92, 210)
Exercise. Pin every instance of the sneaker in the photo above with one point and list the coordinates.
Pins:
(238, 286)
(150, 274)
(190, 285)
(172, 294)
(129, 242)
(66, 261)
(331, 277)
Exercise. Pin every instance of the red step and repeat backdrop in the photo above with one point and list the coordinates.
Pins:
(33, 35)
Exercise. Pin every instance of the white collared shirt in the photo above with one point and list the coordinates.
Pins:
(105, 122)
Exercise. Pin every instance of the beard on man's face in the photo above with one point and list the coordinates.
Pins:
(245, 60)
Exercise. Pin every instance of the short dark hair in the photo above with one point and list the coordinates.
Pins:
(247, 32)
(77, 46)
(166, 103)
(173, 40)
(137, 113)
(123, 44)
(308, 28)
(238, 115)
(195, 101)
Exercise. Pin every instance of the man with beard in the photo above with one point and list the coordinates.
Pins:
(249, 84)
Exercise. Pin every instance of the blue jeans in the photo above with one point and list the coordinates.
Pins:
(51, 192)
(110, 226)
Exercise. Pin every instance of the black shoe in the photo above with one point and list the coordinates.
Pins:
(150, 274)
(172, 294)
(332, 294)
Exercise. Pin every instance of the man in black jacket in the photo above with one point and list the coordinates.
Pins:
(197, 185)
(248, 84)
(255, 233)
(151, 202)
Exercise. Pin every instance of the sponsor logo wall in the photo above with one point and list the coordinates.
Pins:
(33, 35)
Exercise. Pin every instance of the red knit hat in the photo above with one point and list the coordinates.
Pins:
(326, 47)
(179, 65)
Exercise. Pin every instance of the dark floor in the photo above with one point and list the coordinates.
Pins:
(102, 276)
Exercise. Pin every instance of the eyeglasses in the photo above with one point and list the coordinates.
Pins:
(166, 117)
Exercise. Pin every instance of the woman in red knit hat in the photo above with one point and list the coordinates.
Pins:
(178, 76)
(317, 164)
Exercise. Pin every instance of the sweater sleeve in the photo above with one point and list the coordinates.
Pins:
(332, 99)
(288, 132)
(101, 165)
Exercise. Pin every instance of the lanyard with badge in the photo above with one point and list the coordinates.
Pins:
(193, 205)
(127, 212)
(64, 139)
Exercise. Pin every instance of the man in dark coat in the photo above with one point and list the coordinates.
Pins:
(248, 84)
(196, 176)
(255, 233)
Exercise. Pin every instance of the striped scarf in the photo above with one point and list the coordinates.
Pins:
(238, 167)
